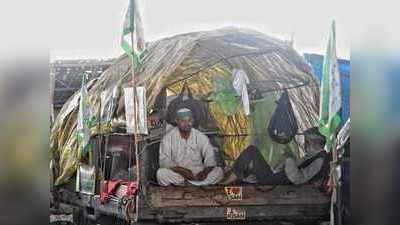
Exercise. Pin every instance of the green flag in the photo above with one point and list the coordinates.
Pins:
(86, 119)
(133, 27)
(330, 93)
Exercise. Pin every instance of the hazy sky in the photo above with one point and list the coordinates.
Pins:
(92, 28)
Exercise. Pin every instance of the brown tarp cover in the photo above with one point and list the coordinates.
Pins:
(194, 58)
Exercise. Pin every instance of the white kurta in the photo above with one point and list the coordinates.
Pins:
(194, 153)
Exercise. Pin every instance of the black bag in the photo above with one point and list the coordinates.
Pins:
(196, 106)
(283, 124)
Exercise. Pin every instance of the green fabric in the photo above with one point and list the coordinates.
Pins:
(225, 95)
(132, 24)
(261, 113)
(330, 103)
(86, 120)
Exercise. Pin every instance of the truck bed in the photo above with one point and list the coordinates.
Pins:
(191, 196)
(257, 203)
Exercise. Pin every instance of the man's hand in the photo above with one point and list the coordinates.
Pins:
(203, 174)
(187, 174)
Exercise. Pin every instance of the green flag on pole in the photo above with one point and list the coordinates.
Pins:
(330, 93)
(86, 119)
(133, 27)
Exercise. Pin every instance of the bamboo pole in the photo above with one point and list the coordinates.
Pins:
(135, 134)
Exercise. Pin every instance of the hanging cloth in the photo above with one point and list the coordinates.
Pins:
(240, 81)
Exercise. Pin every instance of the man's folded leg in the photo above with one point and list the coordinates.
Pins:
(166, 177)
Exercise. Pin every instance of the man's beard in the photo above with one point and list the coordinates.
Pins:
(185, 130)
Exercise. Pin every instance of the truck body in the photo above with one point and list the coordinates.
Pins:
(207, 204)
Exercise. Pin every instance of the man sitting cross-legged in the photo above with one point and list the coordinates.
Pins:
(186, 155)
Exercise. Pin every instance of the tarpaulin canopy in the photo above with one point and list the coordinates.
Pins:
(196, 59)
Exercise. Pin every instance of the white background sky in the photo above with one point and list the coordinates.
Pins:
(92, 28)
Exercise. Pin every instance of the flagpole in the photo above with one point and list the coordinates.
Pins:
(52, 87)
(135, 133)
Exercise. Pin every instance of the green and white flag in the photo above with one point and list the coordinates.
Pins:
(330, 93)
(133, 26)
(86, 119)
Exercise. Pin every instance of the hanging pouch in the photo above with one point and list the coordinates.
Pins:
(283, 126)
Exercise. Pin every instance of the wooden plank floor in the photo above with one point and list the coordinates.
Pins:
(252, 196)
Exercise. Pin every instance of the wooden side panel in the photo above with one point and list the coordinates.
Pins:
(252, 196)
